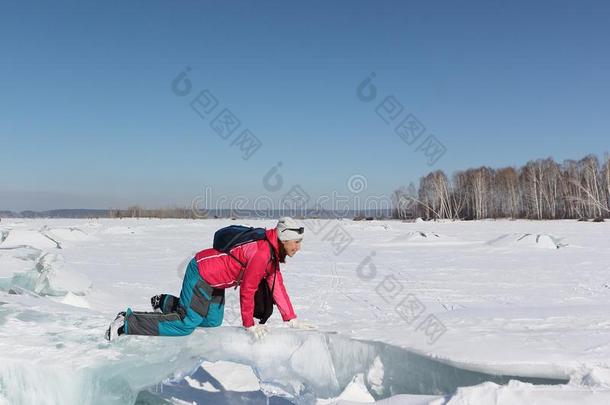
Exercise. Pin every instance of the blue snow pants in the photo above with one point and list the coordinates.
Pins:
(199, 305)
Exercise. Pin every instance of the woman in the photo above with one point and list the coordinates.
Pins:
(209, 273)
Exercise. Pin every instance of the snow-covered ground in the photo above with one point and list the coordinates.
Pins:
(410, 313)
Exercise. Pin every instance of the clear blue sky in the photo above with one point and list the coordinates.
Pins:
(88, 118)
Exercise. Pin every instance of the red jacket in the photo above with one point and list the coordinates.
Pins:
(222, 271)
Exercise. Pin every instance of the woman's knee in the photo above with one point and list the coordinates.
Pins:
(215, 316)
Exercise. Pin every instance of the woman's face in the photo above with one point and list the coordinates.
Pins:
(291, 246)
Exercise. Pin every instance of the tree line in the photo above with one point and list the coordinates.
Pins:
(541, 189)
(137, 211)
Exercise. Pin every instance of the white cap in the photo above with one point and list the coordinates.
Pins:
(289, 229)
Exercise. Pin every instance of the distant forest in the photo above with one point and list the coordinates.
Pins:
(541, 189)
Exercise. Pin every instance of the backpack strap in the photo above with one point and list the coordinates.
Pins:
(276, 264)
(243, 267)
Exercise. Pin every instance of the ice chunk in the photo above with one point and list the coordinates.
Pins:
(543, 241)
(424, 238)
(71, 234)
(74, 300)
(356, 391)
(596, 376)
(49, 276)
(15, 261)
(546, 242)
(56, 279)
(313, 361)
(205, 386)
(516, 392)
(375, 376)
(27, 383)
(21, 252)
(418, 236)
(233, 376)
(24, 237)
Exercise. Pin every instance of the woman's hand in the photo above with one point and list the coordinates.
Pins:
(257, 331)
(296, 324)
